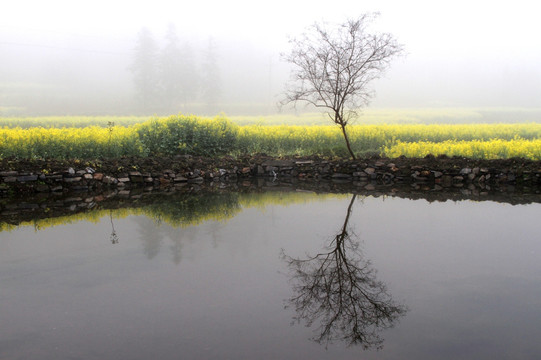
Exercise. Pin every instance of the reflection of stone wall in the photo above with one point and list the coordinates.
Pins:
(190, 202)
(168, 173)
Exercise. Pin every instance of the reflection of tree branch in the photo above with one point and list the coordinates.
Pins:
(339, 288)
(114, 236)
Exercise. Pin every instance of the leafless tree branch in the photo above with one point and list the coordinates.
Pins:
(339, 290)
(333, 67)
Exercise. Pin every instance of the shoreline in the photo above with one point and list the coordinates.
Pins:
(193, 199)
(28, 177)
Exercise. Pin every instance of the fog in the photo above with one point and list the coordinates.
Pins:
(73, 58)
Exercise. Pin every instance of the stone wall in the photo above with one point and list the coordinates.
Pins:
(164, 173)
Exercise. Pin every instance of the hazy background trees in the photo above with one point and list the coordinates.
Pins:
(145, 70)
(171, 71)
(145, 74)
(166, 80)
(211, 82)
(59, 60)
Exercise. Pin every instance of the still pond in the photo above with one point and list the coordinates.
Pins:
(281, 275)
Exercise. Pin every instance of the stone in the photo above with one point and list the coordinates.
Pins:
(10, 179)
(109, 180)
(437, 174)
(25, 205)
(8, 173)
(88, 176)
(89, 170)
(136, 177)
(465, 171)
(446, 180)
(164, 181)
(72, 179)
(196, 180)
(41, 188)
(27, 178)
(417, 177)
(71, 171)
(123, 179)
(369, 170)
(278, 163)
(387, 177)
(98, 176)
(55, 178)
(341, 176)
(180, 179)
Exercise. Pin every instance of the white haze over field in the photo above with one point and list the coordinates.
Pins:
(73, 57)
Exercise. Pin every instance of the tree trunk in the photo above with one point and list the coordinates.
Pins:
(343, 127)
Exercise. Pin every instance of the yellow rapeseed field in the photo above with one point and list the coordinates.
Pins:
(219, 136)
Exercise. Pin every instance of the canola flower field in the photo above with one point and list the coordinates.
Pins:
(108, 137)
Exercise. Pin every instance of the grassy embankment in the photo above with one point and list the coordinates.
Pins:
(382, 132)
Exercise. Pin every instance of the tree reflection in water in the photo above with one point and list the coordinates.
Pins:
(339, 289)
(114, 237)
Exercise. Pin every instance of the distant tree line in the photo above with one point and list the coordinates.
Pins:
(170, 78)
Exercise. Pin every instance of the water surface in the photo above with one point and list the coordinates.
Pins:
(450, 280)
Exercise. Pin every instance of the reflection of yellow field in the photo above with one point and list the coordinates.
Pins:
(486, 141)
(186, 210)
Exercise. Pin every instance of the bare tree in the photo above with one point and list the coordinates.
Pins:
(333, 68)
(339, 289)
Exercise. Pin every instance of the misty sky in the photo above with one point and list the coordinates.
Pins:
(460, 53)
